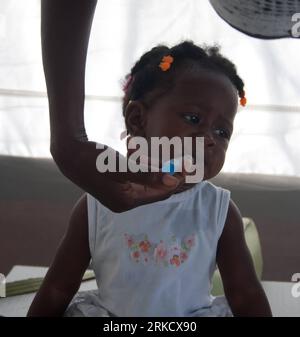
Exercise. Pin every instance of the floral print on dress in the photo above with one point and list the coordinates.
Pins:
(141, 250)
(172, 253)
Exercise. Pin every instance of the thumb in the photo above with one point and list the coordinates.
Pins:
(170, 181)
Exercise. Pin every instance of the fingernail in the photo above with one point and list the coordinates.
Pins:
(188, 161)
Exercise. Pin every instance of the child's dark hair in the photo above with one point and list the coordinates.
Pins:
(145, 75)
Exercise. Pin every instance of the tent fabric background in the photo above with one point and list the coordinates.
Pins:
(266, 132)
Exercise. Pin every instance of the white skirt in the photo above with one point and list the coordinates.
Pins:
(87, 304)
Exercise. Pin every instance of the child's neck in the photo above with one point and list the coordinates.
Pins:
(184, 187)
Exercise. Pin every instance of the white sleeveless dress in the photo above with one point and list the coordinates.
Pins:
(157, 259)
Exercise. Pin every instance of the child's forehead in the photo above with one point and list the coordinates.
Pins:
(206, 79)
(203, 86)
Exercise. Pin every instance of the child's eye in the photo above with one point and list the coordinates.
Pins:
(223, 133)
(192, 118)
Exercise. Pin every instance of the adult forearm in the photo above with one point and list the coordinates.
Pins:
(65, 31)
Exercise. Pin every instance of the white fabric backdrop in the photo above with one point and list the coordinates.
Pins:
(267, 132)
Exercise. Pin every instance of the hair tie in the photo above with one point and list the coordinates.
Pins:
(165, 64)
(243, 99)
(127, 83)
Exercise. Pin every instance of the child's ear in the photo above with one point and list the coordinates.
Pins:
(135, 118)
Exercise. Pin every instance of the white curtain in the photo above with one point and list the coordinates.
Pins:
(267, 131)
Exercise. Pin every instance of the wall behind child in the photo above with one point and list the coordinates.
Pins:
(266, 131)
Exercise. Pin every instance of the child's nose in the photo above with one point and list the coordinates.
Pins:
(209, 139)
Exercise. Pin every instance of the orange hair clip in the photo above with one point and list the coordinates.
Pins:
(165, 64)
(243, 99)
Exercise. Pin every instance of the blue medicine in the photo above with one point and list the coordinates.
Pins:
(169, 167)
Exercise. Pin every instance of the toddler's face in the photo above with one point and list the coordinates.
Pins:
(202, 104)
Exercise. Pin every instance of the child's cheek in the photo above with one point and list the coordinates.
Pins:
(214, 165)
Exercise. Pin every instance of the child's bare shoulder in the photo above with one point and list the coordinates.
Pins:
(234, 214)
(80, 208)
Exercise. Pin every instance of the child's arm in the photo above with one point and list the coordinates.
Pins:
(65, 31)
(243, 290)
(64, 277)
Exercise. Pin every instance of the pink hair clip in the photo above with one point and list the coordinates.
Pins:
(127, 83)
